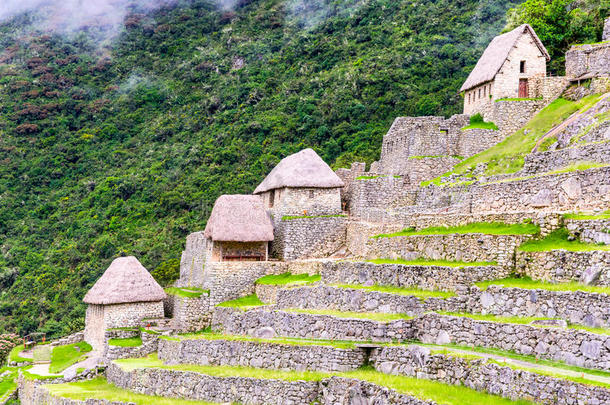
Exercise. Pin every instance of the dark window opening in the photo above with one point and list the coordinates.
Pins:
(271, 198)
(310, 193)
(522, 67)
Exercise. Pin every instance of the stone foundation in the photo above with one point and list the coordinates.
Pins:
(561, 266)
(301, 238)
(150, 343)
(260, 355)
(188, 314)
(417, 361)
(590, 231)
(349, 391)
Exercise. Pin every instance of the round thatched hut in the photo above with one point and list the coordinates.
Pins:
(239, 229)
(301, 184)
(124, 296)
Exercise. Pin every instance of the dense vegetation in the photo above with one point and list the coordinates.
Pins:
(123, 150)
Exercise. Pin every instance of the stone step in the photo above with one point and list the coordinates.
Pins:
(577, 307)
(283, 354)
(256, 386)
(535, 383)
(441, 278)
(572, 345)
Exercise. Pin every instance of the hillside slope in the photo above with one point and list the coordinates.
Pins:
(124, 150)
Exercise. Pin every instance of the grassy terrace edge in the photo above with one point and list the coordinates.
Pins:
(431, 262)
(419, 388)
(288, 279)
(488, 228)
(529, 284)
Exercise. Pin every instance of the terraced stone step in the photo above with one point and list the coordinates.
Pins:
(257, 386)
(284, 354)
(577, 307)
(544, 385)
(429, 277)
(570, 345)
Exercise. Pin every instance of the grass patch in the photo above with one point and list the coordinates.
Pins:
(431, 262)
(585, 217)
(188, 292)
(288, 279)
(481, 125)
(99, 388)
(558, 240)
(488, 228)
(63, 357)
(420, 388)
(249, 301)
(290, 218)
(415, 292)
(525, 320)
(431, 390)
(507, 156)
(14, 355)
(126, 342)
(7, 383)
(521, 357)
(208, 335)
(529, 284)
(372, 316)
(367, 177)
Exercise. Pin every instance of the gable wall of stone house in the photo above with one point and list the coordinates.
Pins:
(291, 201)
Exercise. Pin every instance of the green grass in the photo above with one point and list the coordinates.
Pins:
(585, 217)
(415, 292)
(367, 177)
(340, 344)
(186, 292)
(431, 262)
(529, 284)
(557, 240)
(481, 125)
(63, 357)
(372, 316)
(288, 279)
(7, 383)
(126, 342)
(522, 320)
(14, 355)
(516, 356)
(249, 301)
(507, 156)
(420, 388)
(574, 167)
(488, 228)
(99, 388)
(290, 217)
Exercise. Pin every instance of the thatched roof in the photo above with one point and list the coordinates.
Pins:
(125, 281)
(302, 169)
(239, 218)
(496, 53)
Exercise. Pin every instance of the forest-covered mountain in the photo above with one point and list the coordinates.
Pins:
(122, 147)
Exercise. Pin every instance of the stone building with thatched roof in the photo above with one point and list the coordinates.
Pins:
(302, 184)
(507, 69)
(124, 296)
(239, 229)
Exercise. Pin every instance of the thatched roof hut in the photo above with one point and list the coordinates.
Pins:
(496, 54)
(125, 281)
(300, 170)
(239, 218)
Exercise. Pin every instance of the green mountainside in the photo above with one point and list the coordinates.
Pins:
(123, 150)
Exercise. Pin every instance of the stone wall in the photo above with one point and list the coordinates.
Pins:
(426, 277)
(358, 300)
(478, 374)
(150, 343)
(34, 392)
(188, 314)
(561, 266)
(576, 307)
(458, 247)
(473, 141)
(418, 169)
(576, 347)
(192, 262)
(548, 87)
(590, 60)
(290, 324)
(260, 354)
(590, 231)
(348, 391)
(348, 176)
(544, 162)
(70, 339)
(379, 192)
(308, 237)
(303, 201)
(230, 280)
(511, 115)
(196, 386)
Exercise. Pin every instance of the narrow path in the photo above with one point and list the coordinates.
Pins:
(89, 362)
(521, 363)
(42, 369)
